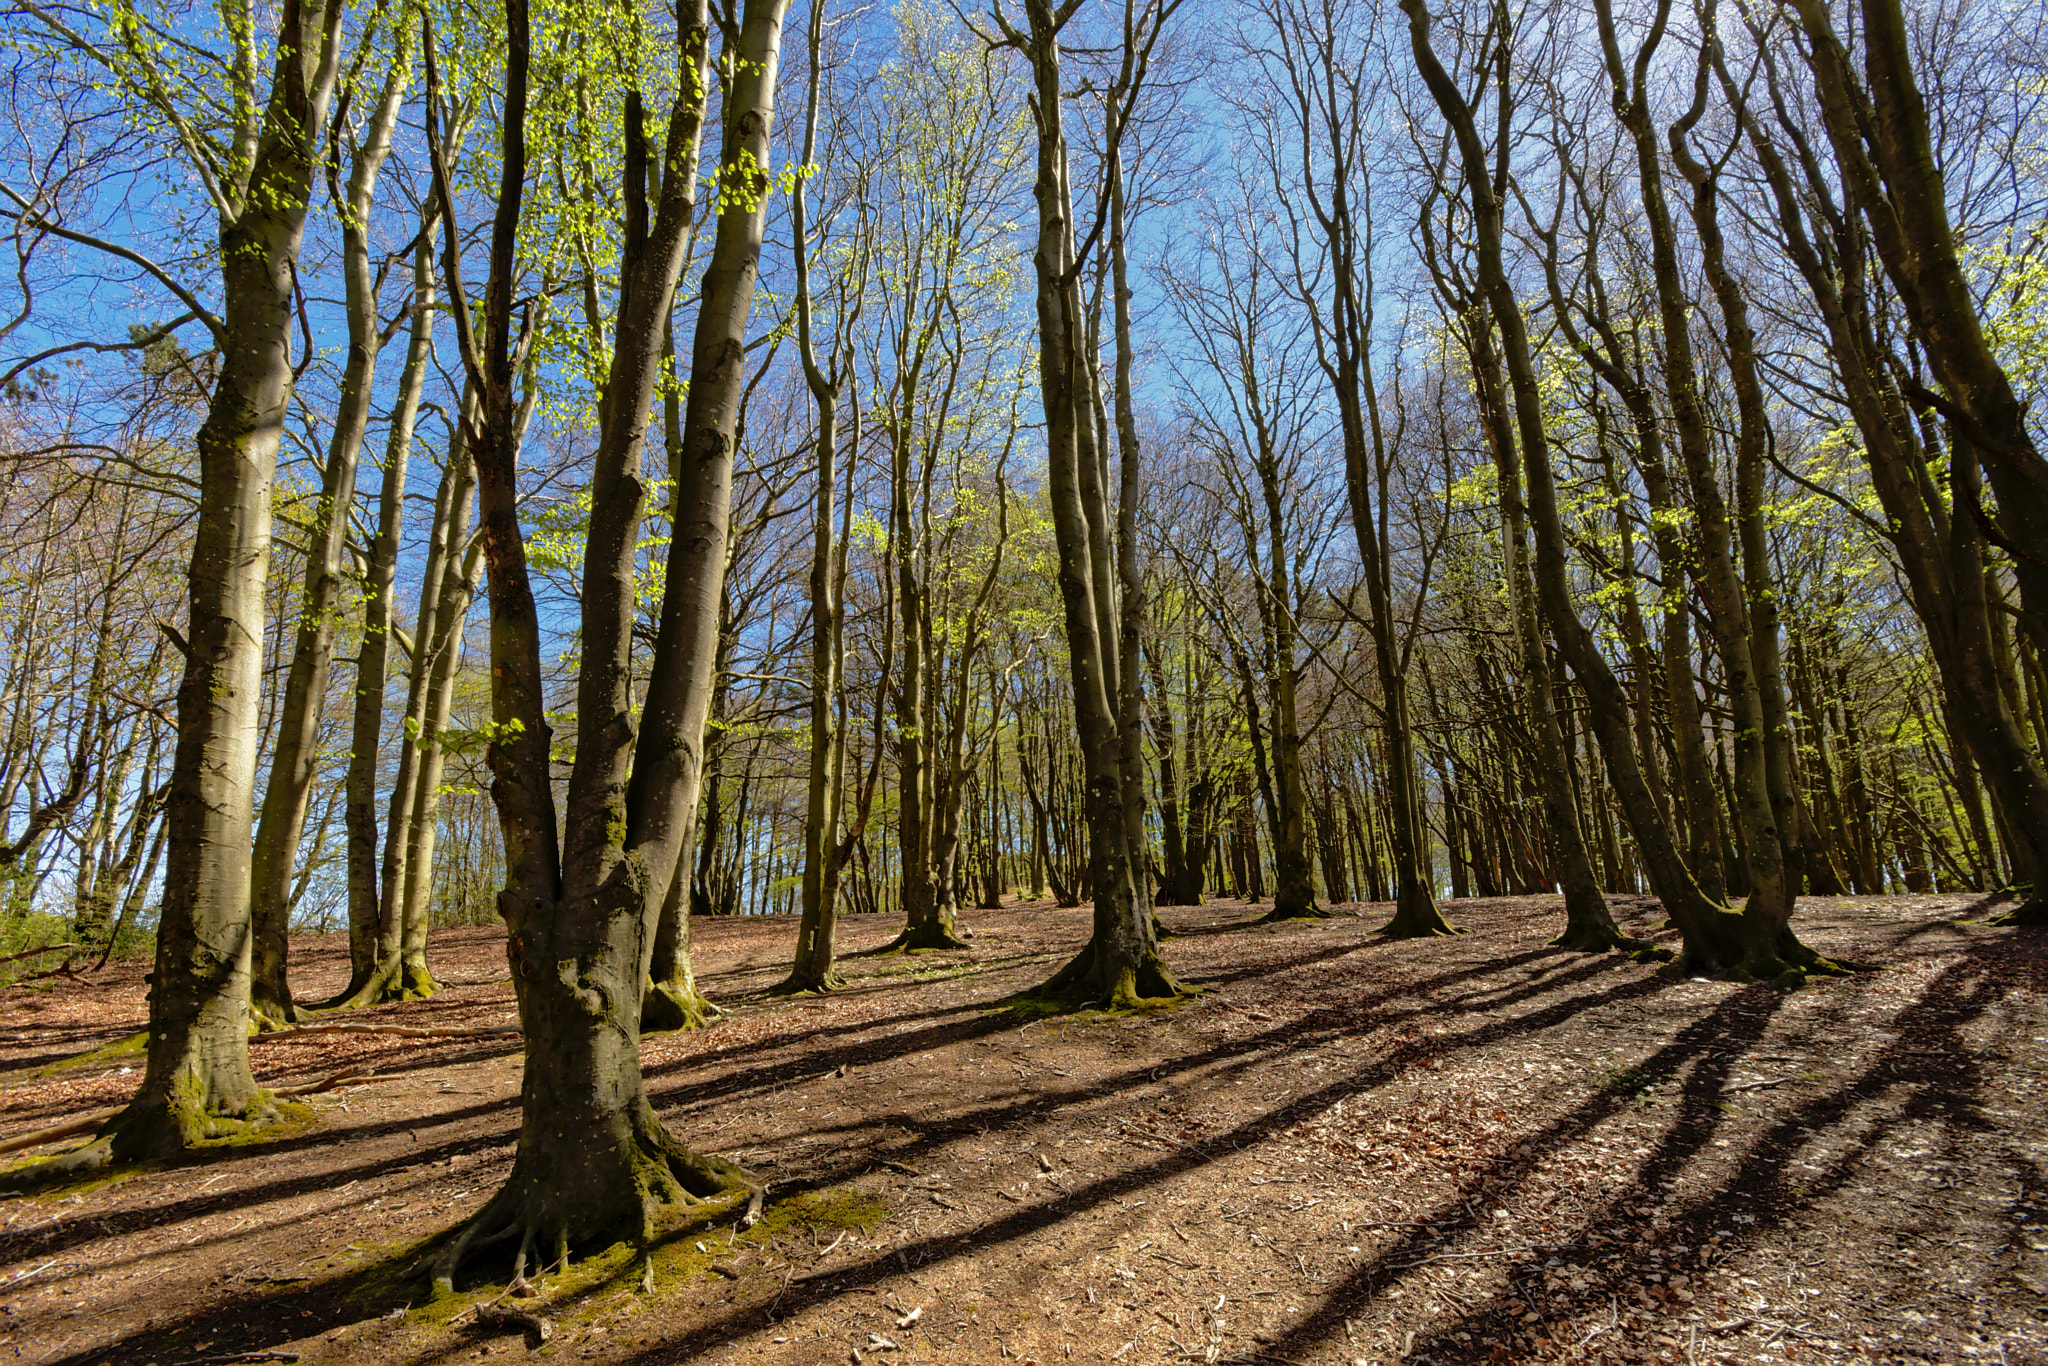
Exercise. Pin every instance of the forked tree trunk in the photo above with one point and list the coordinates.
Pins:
(593, 1162)
(1753, 436)
(1120, 966)
(1294, 893)
(1716, 940)
(380, 577)
(1620, 367)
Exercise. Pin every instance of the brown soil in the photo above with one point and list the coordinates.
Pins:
(1349, 1150)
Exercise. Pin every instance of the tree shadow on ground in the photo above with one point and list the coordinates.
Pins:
(1704, 1053)
(1757, 1199)
(263, 1319)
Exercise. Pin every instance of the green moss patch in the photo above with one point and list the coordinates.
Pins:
(133, 1046)
(289, 1119)
(840, 1209)
(688, 1243)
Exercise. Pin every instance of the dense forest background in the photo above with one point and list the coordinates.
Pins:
(1268, 725)
(589, 465)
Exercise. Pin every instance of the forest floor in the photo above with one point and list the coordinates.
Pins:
(1347, 1150)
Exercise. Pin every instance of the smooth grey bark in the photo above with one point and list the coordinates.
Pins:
(196, 1079)
(1120, 967)
(296, 753)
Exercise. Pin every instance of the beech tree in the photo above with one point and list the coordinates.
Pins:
(259, 176)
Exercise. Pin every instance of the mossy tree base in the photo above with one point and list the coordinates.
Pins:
(158, 1127)
(270, 1016)
(1732, 947)
(583, 1189)
(1595, 938)
(398, 978)
(932, 937)
(1589, 928)
(1416, 917)
(2030, 914)
(1312, 911)
(1097, 978)
(809, 984)
(669, 1006)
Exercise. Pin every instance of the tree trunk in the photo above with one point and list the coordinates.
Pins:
(296, 754)
(1120, 967)
(1588, 924)
(196, 1081)
(593, 1161)
(1771, 888)
(1715, 939)
(372, 658)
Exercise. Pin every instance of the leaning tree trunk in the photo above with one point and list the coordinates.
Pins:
(1880, 132)
(373, 654)
(1588, 925)
(1768, 906)
(1716, 940)
(296, 754)
(1759, 589)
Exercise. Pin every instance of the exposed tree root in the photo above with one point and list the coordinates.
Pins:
(672, 1005)
(1418, 918)
(398, 978)
(1608, 938)
(92, 1156)
(2030, 914)
(1093, 980)
(62, 1167)
(1589, 928)
(809, 984)
(602, 1188)
(1312, 911)
(397, 1031)
(1794, 951)
(1738, 951)
(931, 938)
(272, 1016)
